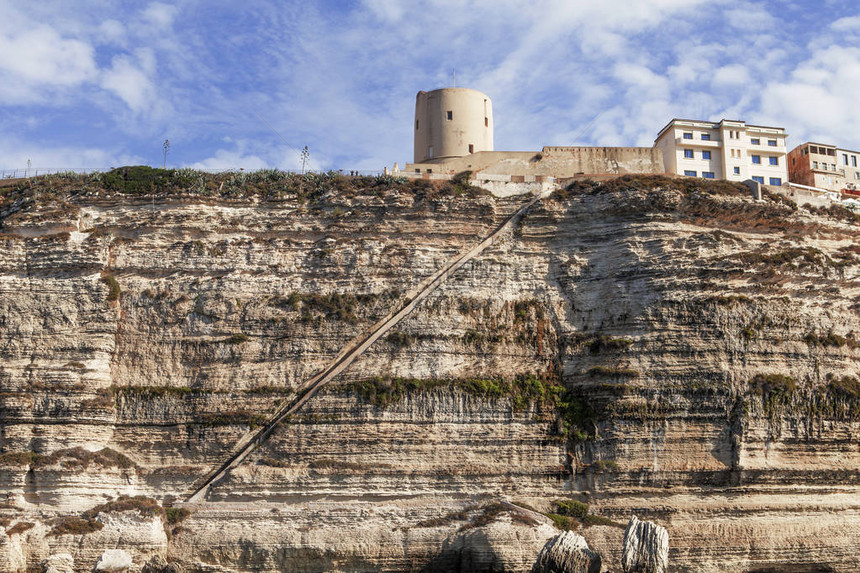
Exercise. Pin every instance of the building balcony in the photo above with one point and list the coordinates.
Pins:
(706, 143)
(824, 171)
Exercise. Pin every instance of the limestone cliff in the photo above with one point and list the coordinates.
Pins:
(669, 348)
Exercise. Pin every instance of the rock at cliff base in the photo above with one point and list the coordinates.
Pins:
(113, 561)
(646, 548)
(567, 553)
(59, 563)
(158, 564)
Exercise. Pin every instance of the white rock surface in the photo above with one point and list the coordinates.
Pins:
(114, 561)
(567, 553)
(646, 548)
(59, 563)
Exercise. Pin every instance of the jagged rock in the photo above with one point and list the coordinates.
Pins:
(502, 545)
(646, 548)
(113, 561)
(59, 563)
(567, 553)
(158, 564)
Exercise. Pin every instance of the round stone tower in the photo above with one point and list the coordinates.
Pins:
(452, 122)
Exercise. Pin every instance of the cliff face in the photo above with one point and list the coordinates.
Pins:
(664, 348)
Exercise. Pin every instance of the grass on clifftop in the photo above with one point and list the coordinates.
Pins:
(714, 203)
(264, 185)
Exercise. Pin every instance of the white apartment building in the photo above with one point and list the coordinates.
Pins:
(729, 150)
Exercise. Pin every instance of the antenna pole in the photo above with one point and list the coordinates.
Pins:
(453, 78)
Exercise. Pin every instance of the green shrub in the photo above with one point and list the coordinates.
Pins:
(399, 339)
(603, 343)
(591, 520)
(237, 339)
(830, 339)
(313, 308)
(113, 288)
(601, 466)
(571, 508)
(767, 384)
(142, 180)
(846, 386)
(612, 372)
(383, 392)
(729, 300)
(577, 415)
(176, 515)
(749, 333)
(18, 458)
(562, 522)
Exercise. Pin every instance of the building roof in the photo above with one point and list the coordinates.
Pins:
(715, 124)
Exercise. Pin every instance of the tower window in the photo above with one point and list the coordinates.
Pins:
(450, 114)
(471, 148)
(486, 122)
(416, 125)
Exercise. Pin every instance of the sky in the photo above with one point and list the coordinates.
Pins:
(103, 83)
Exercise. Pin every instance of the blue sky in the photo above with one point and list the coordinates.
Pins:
(102, 83)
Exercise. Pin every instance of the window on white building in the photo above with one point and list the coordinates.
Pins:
(755, 141)
(773, 160)
(771, 142)
(708, 174)
(689, 173)
(737, 170)
(706, 154)
(688, 154)
(688, 135)
(815, 165)
(758, 179)
(777, 181)
(853, 161)
(756, 159)
(706, 137)
(844, 159)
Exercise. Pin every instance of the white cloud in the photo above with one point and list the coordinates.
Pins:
(36, 59)
(159, 15)
(112, 32)
(387, 10)
(732, 75)
(15, 155)
(847, 24)
(130, 79)
(820, 98)
(224, 159)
